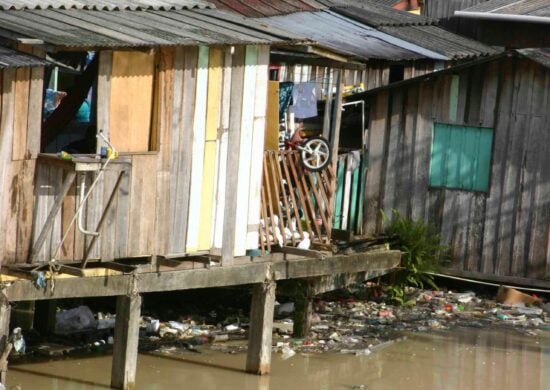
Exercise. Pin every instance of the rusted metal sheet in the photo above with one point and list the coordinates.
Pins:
(263, 8)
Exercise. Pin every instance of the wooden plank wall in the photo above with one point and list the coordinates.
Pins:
(20, 115)
(504, 231)
(173, 200)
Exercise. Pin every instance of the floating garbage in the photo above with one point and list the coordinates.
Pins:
(18, 341)
(75, 320)
(287, 353)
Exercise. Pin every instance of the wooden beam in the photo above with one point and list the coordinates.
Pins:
(5, 345)
(125, 349)
(337, 117)
(249, 273)
(258, 357)
(48, 225)
(300, 252)
(125, 268)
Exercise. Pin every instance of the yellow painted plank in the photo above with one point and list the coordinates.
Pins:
(131, 100)
(215, 71)
(272, 116)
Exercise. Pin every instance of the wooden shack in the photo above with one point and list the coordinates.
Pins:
(186, 115)
(465, 149)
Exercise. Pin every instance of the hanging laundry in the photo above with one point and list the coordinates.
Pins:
(304, 96)
(285, 97)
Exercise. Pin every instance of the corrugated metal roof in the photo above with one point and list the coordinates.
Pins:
(15, 59)
(541, 56)
(264, 8)
(538, 8)
(380, 15)
(85, 28)
(444, 9)
(440, 40)
(346, 36)
(417, 30)
(104, 5)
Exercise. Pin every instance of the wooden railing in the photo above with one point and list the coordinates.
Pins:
(294, 201)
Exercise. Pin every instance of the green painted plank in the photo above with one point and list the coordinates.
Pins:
(362, 182)
(484, 162)
(337, 223)
(461, 157)
(355, 188)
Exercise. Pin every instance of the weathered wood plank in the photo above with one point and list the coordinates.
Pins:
(377, 133)
(184, 152)
(52, 217)
(213, 117)
(34, 123)
(104, 95)
(258, 140)
(22, 82)
(233, 144)
(197, 164)
(6, 142)
(130, 105)
(221, 159)
(422, 150)
(166, 85)
(245, 150)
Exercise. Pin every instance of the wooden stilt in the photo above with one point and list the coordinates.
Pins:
(125, 349)
(5, 345)
(303, 309)
(258, 359)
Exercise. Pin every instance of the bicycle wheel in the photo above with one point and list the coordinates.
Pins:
(315, 154)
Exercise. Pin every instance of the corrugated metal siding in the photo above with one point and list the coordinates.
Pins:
(15, 59)
(107, 5)
(85, 28)
(503, 232)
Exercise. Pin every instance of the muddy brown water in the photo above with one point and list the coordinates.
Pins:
(458, 359)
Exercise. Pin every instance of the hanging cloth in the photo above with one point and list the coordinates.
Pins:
(304, 96)
(285, 97)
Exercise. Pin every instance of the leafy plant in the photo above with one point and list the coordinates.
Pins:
(422, 252)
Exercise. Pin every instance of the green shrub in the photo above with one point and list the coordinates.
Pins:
(422, 253)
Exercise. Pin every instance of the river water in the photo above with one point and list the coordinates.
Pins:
(465, 358)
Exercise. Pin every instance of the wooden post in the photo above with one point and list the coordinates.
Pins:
(303, 310)
(258, 358)
(337, 110)
(125, 349)
(5, 345)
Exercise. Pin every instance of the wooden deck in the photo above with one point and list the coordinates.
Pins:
(101, 282)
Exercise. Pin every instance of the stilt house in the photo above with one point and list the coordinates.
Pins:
(465, 149)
